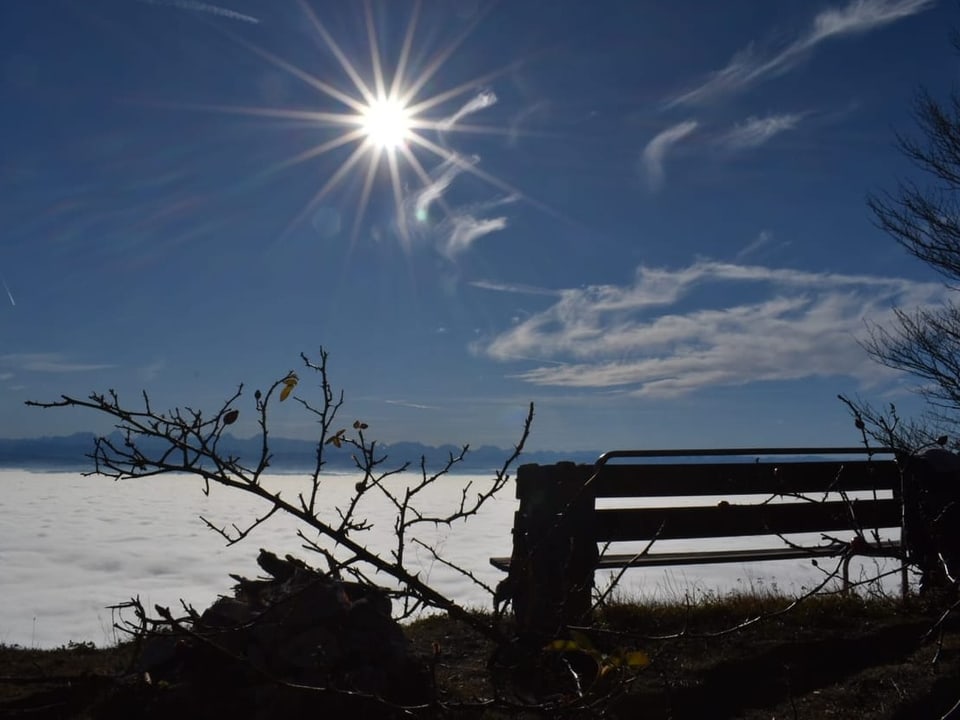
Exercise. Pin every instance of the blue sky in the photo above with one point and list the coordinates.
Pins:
(646, 217)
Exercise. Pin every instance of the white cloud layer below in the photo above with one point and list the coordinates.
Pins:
(673, 332)
(73, 545)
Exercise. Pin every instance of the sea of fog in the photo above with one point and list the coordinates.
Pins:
(70, 546)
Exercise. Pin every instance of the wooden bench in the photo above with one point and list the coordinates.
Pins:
(558, 526)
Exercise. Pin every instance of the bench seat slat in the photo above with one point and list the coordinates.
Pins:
(709, 557)
(888, 549)
(740, 520)
(765, 478)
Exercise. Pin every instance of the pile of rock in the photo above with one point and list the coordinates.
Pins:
(297, 628)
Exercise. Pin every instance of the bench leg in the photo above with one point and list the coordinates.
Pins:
(904, 576)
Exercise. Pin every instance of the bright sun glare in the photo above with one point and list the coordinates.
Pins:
(381, 114)
(387, 123)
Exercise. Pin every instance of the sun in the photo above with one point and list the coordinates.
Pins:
(387, 123)
(384, 117)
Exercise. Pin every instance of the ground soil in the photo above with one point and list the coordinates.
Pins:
(827, 658)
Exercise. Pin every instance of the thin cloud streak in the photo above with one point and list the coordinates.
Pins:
(763, 239)
(786, 325)
(203, 8)
(460, 227)
(415, 406)
(518, 288)
(444, 175)
(48, 363)
(480, 102)
(746, 68)
(465, 229)
(755, 131)
(657, 149)
(9, 294)
(464, 226)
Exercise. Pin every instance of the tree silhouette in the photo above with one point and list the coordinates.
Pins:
(924, 218)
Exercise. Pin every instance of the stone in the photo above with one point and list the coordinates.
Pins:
(301, 626)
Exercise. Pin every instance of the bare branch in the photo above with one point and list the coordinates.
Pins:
(240, 534)
(188, 440)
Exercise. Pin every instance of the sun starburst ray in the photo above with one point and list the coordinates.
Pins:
(316, 151)
(341, 57)
(398, 73)
(467, 129)
(437, 62)
(483, 175)
(311, 116)
(345, 167)
(374, 44)
(424, 178)
(373, 163)
(311, 80)
(398, 198)
(462, 88)
(471, 168)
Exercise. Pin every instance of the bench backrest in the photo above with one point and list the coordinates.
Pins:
(790, 483)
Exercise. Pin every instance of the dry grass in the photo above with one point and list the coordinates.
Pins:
(830, 656)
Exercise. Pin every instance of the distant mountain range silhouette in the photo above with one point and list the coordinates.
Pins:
(70, 452)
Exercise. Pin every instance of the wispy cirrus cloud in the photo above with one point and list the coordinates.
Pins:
(151, 372)
(763, 239)
(464, 229)
(656, 337)
(747, 67)
(458, 227)
(479, 102)
(755, 131)
(518, 288)
(415, 406)
(47, 363)
(13, 303)
(443, 175)
(657, 149)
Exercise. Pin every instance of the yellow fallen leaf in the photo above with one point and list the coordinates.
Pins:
(637, 658)
(562, 645)
(582, 640)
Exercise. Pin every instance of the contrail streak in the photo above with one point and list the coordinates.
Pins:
(203, 7)
(9, 294)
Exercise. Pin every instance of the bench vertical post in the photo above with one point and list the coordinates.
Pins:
(554, 549)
